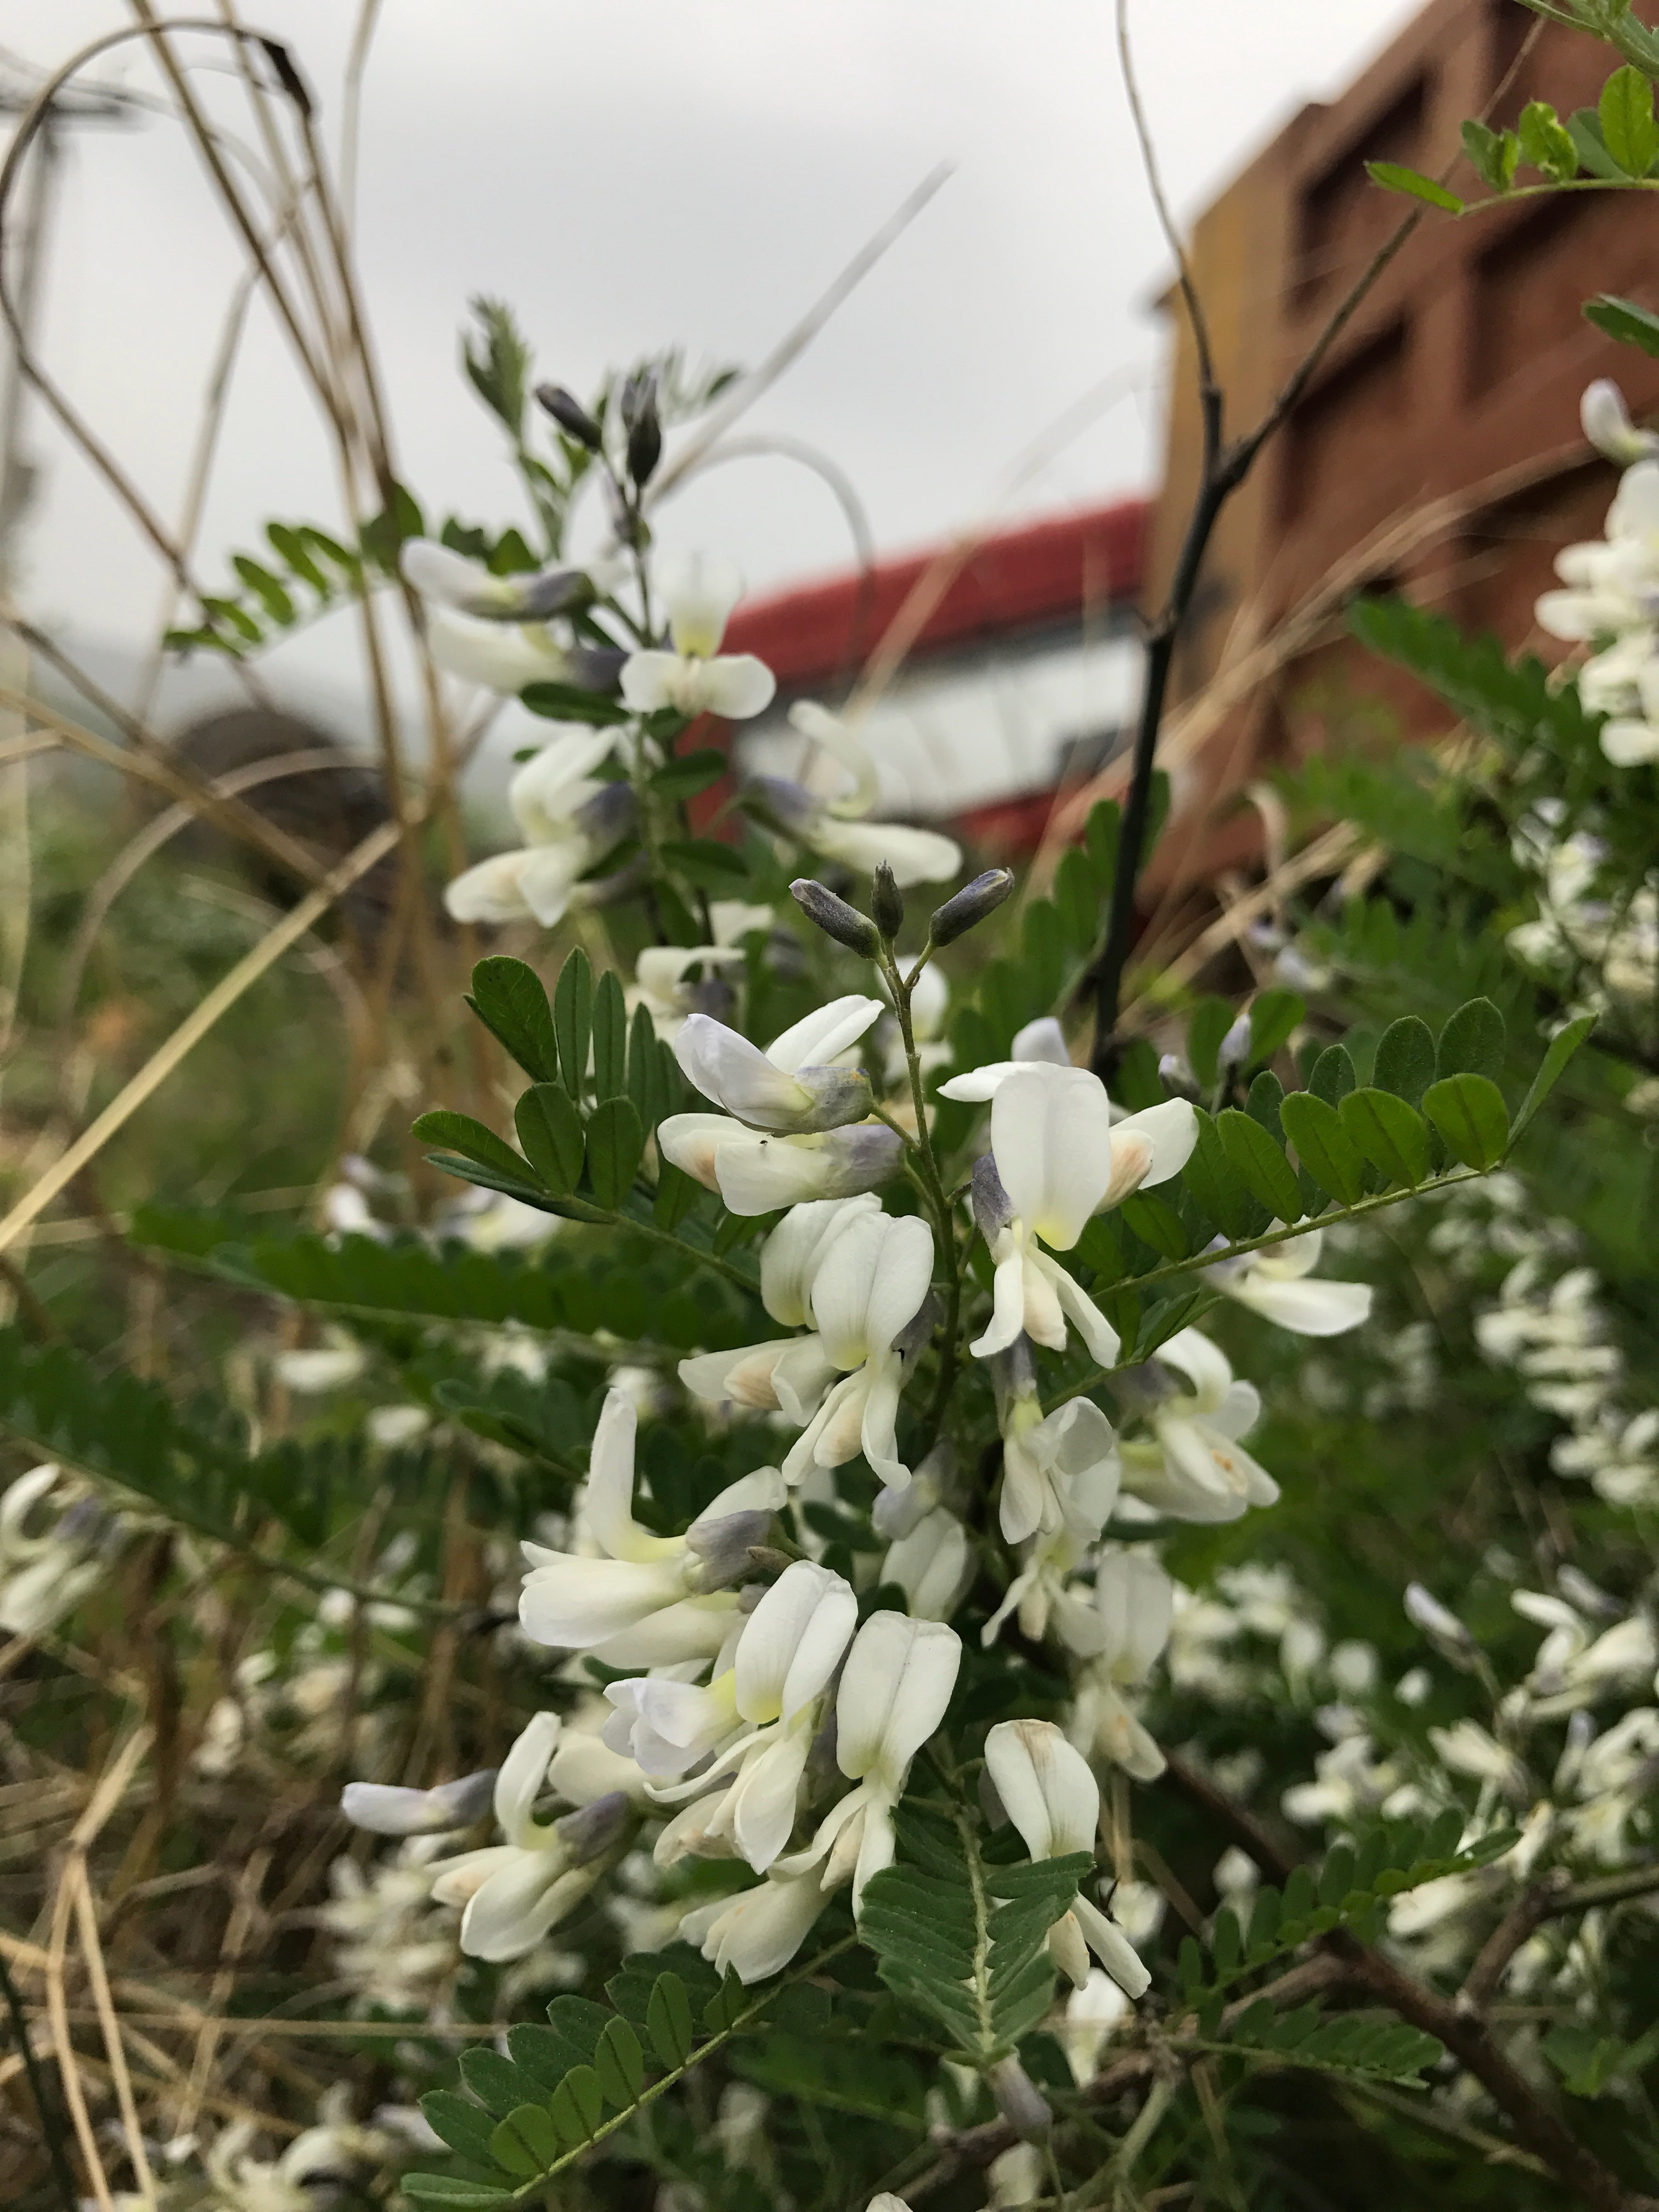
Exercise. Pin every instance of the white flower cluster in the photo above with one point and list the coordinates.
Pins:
(572, 808)
(1610, 598)
(755, 1718)
(1576, 925)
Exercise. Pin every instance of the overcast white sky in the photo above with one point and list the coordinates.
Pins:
(632, 171)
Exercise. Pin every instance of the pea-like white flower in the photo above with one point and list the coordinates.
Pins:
(869, 1288)
(1279, 1283)
(756, 1172)
(1048, 1792)
(696, 677)
(570, 821)
(1120, 1638)
(1607, 426)
(385, 1809)
(647, 1600)
(894, 1689)
(670, 980)
(1057, 1159)
(932, 1564)
(789, 1374)
(1059, 1470)
(784, 1659)
(513, 1892)
(756, 1933)
(794, 1085)
(1191, 1467)
(834, 821)
(45, 1572)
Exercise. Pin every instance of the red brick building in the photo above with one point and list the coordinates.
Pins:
(1437, 450)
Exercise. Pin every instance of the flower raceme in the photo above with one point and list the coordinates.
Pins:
(644, 1600)
(794, 1085)
(1047, 1791)
(696, 677)
(1056, 1159)
(570, 820)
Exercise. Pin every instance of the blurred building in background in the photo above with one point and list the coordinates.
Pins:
(1021, 677)
(1437, 450)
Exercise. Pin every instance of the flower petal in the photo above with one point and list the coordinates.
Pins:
(699, 591)
(916, 856)
(501, 656)
(490, 891)
(823, 1035)
(523, 1773)
(1045, 1785)
(1051, 1137)
(736, 686)
(793, 1253)
(894, 1689)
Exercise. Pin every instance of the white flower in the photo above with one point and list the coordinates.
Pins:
(502, 657)
(869, 1287)
(1092, 2013)
(665, 986)
(1468, 1748)
(1047, 1791)
(1607, 426)
(756, 1933)
(788, 1653)
(794, 1085)
(1058, 1471)
(569, 819)
(932, 1564)
(755, 1172)
(894, 1690)
(1279, 1285)
(832, 823)
(789, 1374)
(696, 679)
(648, 1600)
(1129, 1626)
(1192, 1467)
(310, 1370)
(42, 1577)
(385, 1809)
(513, 1892)
(1056, 1160)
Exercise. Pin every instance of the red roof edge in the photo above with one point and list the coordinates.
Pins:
(1020, 580)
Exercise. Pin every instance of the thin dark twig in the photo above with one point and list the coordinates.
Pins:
(52, 2133)
(1223, 468)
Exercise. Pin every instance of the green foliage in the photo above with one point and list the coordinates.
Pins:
(1395, 177)
(965, 1940)
(587, 2073)
(1625, 320)
(1628, 130)
(1512, 700)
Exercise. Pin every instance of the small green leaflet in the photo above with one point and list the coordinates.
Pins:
(1393, 178)
(1626, 113)
(1623, 321)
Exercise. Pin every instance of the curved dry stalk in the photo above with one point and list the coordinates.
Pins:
(191, 1031)
(351, 107)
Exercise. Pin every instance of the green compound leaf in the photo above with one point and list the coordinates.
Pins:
(1390, 1133)
(1469, 1112)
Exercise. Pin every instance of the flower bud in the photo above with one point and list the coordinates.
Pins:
(971, 905)
(886, 901)
(1019, 2100)
(586, 1833)
(644, 431)
(835, 917)
(567, 411)
(724, 1546)
(1235, 1048)
(384, 1808)
(1607, 426)
(1442, 1627)
(1176, 1077)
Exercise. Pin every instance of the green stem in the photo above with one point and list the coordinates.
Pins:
(900, 987)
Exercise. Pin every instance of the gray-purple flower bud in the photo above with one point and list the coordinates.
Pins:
(586, 1833)
(971, 905)
(1019, 2100)
(992, 1207)
(724, 1546)
(385, 1809)
(886, 901)
(835, 917)
(567, 411)
(1177, 1078)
